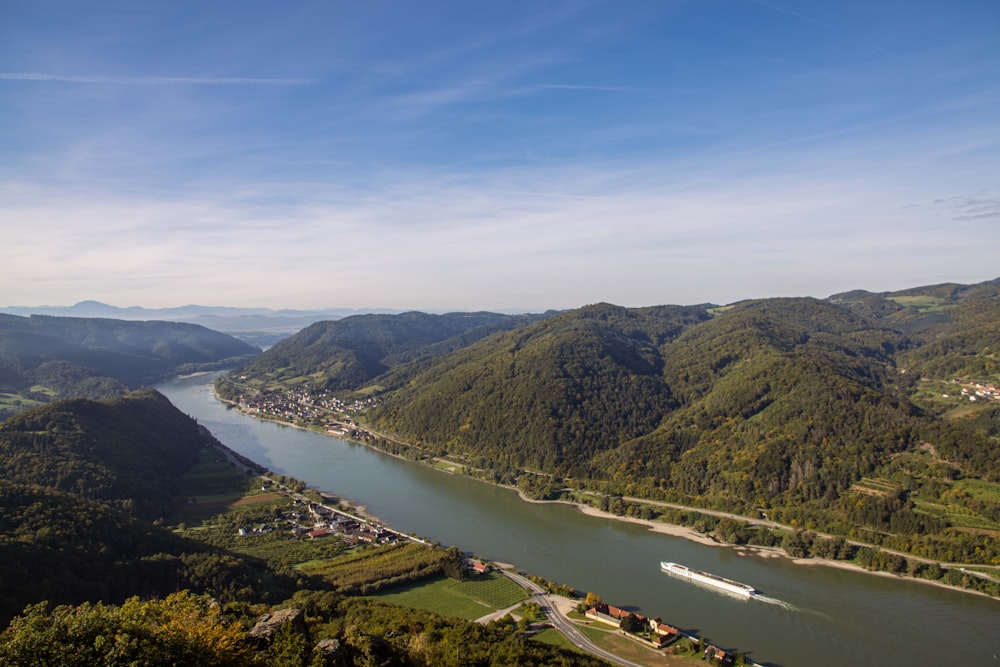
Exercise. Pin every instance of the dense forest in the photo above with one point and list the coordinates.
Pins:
(855, 415)
(346, 353)
(97, 570)
(43, 358)
(86, 490)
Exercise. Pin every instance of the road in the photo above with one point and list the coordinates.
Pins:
(563, 624)
(781, 526)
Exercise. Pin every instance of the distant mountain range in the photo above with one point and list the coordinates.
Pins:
(43, 357)
(257, 326)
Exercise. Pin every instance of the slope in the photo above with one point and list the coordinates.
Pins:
(81, 483)
(42, 358)
(347, 353)
(546, 396)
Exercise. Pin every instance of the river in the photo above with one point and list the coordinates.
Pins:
(819, 615)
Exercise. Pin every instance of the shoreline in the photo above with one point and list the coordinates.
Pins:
(672, 530)
(749, 550)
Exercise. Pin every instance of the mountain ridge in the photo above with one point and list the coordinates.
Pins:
(787, 404)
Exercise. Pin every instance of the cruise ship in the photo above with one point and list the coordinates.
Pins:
(715, 581)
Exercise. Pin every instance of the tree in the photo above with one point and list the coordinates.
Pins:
(593, 599)
(632, 625)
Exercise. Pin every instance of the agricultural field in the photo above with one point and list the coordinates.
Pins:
(369, 569)
(470, 599)
(923, 302)
(969, 504)
(11, 404)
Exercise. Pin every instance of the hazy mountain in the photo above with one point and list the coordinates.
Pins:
(261, 327)
(44, 357)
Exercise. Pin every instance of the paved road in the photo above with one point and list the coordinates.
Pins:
(563, 624)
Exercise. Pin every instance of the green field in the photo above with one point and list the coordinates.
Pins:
(14, 403)
(954, 504)
(922, 302)
(979, 488)
(470, 599)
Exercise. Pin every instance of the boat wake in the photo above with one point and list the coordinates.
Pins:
(788, 605)
(776, 601)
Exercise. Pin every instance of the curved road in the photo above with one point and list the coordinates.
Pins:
(563, 624)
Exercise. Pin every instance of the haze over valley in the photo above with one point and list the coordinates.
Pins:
(709, 282)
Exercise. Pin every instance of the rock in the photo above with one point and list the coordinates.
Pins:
(268, 625)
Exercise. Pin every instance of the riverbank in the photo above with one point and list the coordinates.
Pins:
(673, 530)
(750, 550)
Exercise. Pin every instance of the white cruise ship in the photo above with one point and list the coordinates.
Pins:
(697, 576)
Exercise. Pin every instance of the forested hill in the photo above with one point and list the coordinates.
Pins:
(129, 453)
(347, 353)
(44, 358)
(546, 396)
(858, 410)
(85, 580)
(83, 487)
(955, 329)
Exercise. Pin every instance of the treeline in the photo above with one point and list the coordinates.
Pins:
(129, 453)
(87, 487)
(347, 353)
(44, 358)
(61, 548)
(807, 543)
(313, 628)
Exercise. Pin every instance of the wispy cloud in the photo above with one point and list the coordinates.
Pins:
(156, 80)
(587, 234)
(824, 25)
(598, 88)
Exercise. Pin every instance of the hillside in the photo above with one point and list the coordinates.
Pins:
(955, 328)
(82, 483)
(129, 452)
(44, 358)
(545, 396)
(848, 414)
(347, 353)
(87, 578)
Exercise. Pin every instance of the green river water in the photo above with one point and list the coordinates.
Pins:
(815, 615)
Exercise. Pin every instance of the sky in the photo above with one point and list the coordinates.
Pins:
(511, 156)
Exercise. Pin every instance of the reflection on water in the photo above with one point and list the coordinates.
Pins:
(810, 616)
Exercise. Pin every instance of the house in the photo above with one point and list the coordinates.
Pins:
(664, 633)
(611, 615)
(717, 654)
(319, 532)
(479, 567)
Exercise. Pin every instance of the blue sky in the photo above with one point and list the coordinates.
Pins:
(503, 155)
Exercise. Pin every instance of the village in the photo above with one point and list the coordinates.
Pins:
(312, 520)
(976, 391)
(301, 404)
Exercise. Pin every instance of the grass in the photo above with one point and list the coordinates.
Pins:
(470, 599)
(951, 508)
(553, 637)
(17, 402)
(448, 466)
(978, 488)
(921, 302)
(876, 486)
(631, 650)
